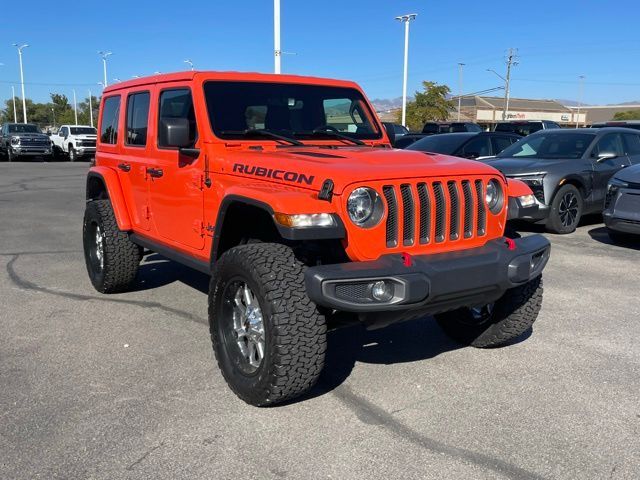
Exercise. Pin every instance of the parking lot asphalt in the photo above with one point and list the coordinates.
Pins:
(125, 386)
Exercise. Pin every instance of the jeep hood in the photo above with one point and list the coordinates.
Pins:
(309, 167)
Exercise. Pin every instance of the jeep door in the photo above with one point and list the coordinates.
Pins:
(175, 186)
(128, 159)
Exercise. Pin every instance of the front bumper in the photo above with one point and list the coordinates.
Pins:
(30, 151)
(429, 284)
(623, 211)
(80, 150)
(518, 212)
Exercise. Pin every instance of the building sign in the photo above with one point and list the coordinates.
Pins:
(559, 117)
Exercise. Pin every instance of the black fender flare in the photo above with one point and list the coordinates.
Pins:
(288, 233)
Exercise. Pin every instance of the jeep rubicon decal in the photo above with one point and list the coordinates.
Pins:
(287, 176)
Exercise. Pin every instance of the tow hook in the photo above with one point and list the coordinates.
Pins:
(511, 244)
(407, 259)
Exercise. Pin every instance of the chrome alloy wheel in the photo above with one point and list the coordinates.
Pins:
(247, 326)
(568, 209)
(99, 246)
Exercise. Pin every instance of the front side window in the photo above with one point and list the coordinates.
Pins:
(611, 143)
(109, 125)
(550, 145)
(176, 103)
(500, 143)
(237, 109)
(137, 119)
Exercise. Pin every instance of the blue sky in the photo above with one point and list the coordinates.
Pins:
(352, 39)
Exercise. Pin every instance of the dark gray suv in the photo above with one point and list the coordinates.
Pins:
(568, 170)
(622, 205)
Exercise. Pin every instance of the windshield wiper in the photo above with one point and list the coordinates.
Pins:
(333, 133)
(263, 133)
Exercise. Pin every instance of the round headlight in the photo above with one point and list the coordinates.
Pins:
(493, 196)
(364, 207)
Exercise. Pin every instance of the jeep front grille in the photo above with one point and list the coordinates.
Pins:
(434, 212)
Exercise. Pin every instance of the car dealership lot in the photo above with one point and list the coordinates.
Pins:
(125, 386)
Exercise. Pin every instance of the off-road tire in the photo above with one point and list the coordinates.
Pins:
(294, 331)
(513, 314)
(554, 223)
(73, 156)
(121, 256)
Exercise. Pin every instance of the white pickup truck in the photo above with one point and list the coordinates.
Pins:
(75, 140)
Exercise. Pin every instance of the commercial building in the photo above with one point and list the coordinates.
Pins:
(487, 111)
(604, 113)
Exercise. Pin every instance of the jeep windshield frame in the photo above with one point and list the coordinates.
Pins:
(236, 109)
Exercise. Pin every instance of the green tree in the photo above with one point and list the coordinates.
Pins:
(628, 115)
(430, 105)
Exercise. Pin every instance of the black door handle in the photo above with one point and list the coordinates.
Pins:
(125, 167)
(155, 172)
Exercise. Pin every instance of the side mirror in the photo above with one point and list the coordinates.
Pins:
(174, 132)
(606, 156)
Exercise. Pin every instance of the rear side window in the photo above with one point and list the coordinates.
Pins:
(109, 125)
(137, 119)
(176, 103)
(631, 143)
(500, 143)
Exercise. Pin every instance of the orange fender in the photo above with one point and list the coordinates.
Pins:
(517, 188)
(111, 183)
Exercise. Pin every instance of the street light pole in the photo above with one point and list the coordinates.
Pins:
(75, 106)
(406, 19)
(104, 55)
(580, 92)
(13, 97)
(90, 109)
(53, 111)
(277, 52)
(188, 61)
(460, 67)
(24, 101)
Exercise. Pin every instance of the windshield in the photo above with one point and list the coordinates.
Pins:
(522, 129)
(444, 143)
(83, 131)
(291, 110)
(24, 128)
(550, 145)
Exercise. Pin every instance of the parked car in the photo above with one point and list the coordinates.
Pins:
(466, 145)
(281, 188)
(395, 131)
(432, 128)
(20, 140)
(568, 170)
(524, 127)
(435, 128)
(75, 141)
(622, 205)
(634, 124)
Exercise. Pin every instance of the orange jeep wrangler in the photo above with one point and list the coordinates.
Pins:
(285, 189)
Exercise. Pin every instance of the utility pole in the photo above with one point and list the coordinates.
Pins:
(277, 52)
(460, 67)
(24, 101)
(75, 106)
(90, 109)
(580, 92)
(13, 97)
(406, 19)
(512, 61)
(104, 55)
